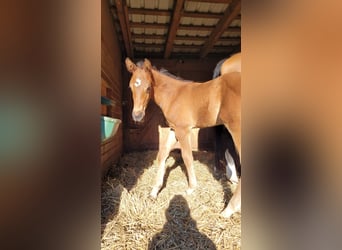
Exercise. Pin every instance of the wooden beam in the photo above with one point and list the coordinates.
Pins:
(184, 55)
(211, 1)
(157, 12)
(176, 16)
(230, 39)
(149, 25)
(190, 38)
(202, 15)
(232, 11)
(148, 45)
(151, 12)
(183, 46)
(185, 38)
(207, 28)
(124, 26)
(128, 28)
(145, 36)
(181, 27)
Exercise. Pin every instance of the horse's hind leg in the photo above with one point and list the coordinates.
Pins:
(166, 144)
(234, 204)
(184, 138)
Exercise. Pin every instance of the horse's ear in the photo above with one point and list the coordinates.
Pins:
(147, 64)
(131, 67)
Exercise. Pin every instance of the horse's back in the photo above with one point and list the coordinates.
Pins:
(230, 82)
(232, 64)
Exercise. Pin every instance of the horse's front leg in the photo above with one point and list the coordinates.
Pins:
(166, 144)
(184, 138)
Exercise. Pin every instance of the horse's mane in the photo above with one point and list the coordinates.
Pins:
(167, 73)
(164, 72)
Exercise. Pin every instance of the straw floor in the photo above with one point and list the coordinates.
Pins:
(175, 220)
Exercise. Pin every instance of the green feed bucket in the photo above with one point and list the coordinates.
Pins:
(109, 126)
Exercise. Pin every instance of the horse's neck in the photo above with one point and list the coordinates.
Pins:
(164, 89)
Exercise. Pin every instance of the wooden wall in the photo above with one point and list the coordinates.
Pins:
(111, 85)
(141, 136)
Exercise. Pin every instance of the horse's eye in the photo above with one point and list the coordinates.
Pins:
(148, 89)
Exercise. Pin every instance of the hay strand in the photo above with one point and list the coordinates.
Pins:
(175, 220)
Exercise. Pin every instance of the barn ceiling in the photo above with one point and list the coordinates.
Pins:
(177, 28)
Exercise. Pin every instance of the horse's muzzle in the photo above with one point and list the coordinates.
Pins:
(138, 115)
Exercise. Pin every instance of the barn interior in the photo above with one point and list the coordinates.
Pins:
(188, 38)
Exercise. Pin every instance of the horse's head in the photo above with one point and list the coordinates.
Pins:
(141, 87)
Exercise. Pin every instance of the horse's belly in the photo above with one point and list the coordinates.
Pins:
(208, 118)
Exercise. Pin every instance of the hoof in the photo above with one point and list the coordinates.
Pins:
(234, 179)
(227, 213)
(154, 194)
(152, 197)
(190, 191)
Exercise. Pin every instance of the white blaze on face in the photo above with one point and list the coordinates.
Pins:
(137, 82)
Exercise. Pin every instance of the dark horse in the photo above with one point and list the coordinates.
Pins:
(186, 106)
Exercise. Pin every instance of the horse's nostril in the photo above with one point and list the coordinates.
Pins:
(138, 115)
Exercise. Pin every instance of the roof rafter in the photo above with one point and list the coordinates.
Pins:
(157, 12)
(122, 12)
(181, 27)
(176, 16)
(232, 11)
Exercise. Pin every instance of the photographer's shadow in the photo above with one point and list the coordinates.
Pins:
(180, 231)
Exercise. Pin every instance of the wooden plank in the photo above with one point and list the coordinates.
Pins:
(184, 38)
(181, 27)
(157, 12)
(111, 150)
(211, 1)
(181, 46)
(232, 11)
(202, 15)
(207, 28)
(176, 16)
(148, 25)
(230, 39)
(145, 36)
(146, 45)
(184, 55)
(124, 25)
(151, 12)
(191, 38)
(125, 8)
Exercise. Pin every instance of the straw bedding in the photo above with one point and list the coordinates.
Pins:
(175, 220)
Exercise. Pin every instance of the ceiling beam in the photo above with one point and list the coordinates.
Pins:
(176, 16)
(185, 38)
(151, 12)
(206, 28)
(149, 25)
(232, 11)
(147, 45)
(181, 27)
(211, 1)
(184, 55)
(145, 36)
(202, 15)
(157, 12)
(122, 14)
(183, 46)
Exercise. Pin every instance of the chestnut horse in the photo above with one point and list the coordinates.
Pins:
(228, 65)
(186, 106)
(225, 66)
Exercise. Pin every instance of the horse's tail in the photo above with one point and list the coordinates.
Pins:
(217, 70)
(230, 168)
